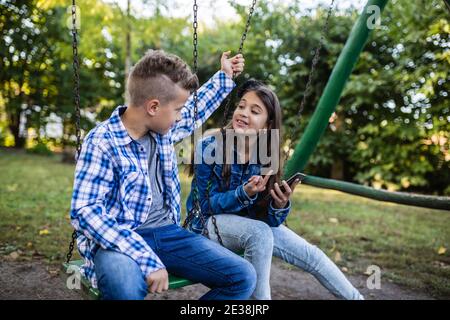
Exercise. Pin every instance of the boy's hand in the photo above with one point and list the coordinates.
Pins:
(232, 66)
(158, 281)
(256, 184)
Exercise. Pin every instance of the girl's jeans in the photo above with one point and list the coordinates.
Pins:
(259, 242)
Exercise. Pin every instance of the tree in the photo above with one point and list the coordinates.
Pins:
(26, 34)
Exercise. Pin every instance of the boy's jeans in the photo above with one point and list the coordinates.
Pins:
(259, 242)
(184, 254)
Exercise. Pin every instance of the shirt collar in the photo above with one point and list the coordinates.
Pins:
(118, 130)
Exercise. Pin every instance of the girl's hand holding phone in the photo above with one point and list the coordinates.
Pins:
(281, 197)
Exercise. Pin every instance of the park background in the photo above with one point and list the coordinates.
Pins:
(390, 130)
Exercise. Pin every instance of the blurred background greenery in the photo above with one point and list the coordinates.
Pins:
(390, 130)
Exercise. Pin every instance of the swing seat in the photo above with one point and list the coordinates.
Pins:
(94, 294)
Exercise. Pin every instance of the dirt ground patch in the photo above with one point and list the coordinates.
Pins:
(38, 281)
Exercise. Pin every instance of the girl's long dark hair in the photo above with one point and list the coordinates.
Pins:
(274, 121)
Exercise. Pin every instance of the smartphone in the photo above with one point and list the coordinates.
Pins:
(295, 176)
(290, 181)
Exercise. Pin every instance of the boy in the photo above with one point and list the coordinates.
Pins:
(126, 197)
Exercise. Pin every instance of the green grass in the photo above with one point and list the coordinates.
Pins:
(35, 194)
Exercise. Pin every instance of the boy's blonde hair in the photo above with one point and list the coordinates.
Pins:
(155, 75)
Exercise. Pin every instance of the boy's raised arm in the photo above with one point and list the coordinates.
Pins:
(210, 96)
(94, 179)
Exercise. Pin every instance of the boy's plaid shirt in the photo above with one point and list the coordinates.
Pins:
(111, 194)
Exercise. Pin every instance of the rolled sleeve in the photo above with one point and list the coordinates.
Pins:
(244, 199)
(149, 264)
(278, 216)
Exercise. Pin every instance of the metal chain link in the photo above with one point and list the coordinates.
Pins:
(227, 112)
(76, 93)
(76, 67)
(196, 210)
(316, 58)
(71, 246)
(240, 50)
(247, 26)
(295, 129)
(195, 54)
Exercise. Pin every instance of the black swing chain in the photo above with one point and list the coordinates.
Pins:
(240, 50)
(196, 211)
(316, 58)
(247, 26)
(76, 93)
(295, 129)
(226, 115)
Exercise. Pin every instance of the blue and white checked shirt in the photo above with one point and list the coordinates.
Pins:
(112, 195)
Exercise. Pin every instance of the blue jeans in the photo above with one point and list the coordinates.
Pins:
(184, 254)
(259, 242)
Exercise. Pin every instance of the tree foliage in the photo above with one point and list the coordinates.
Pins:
(391, 127)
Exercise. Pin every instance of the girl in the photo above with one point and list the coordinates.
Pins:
(249, 209)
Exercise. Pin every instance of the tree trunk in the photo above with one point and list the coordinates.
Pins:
(69, 151)
(337, 168)
(14, 127)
